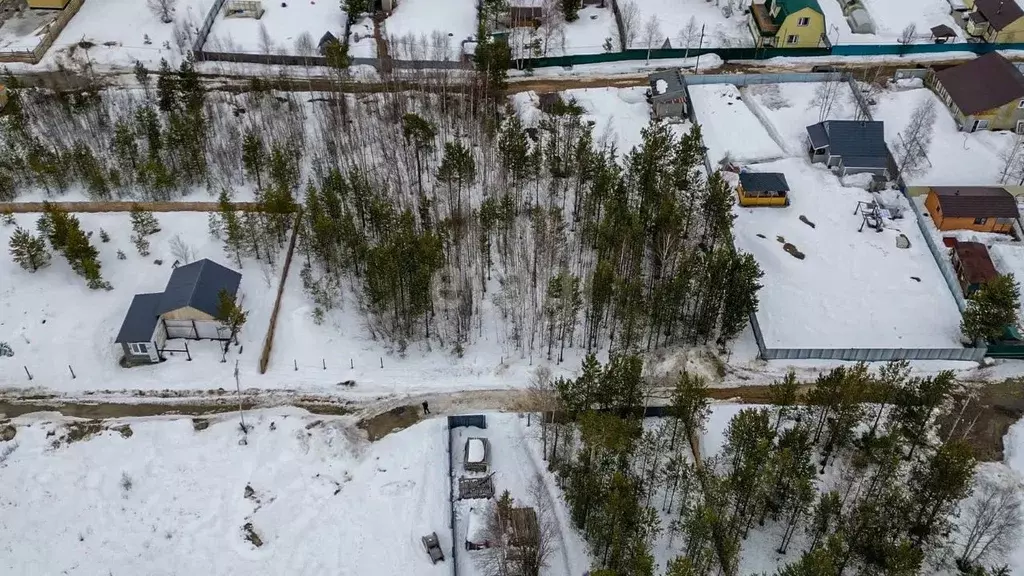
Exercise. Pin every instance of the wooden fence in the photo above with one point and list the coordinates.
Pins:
(268, 340)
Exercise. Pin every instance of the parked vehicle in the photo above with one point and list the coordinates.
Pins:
(433, 548)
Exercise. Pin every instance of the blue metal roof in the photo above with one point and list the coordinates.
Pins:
(198, 285)
(140, 321)
(764, 182)
(816, 132)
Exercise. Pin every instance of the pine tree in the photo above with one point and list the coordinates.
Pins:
(230, 313)
(783, 394)
(29, 251)
(253, 156)
(991, 309)
(166, 87)
(419, 133)
(937, 485)
(233, 234)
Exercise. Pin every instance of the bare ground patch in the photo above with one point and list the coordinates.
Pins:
(381, 425)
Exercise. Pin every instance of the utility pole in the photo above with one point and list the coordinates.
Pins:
(238, 390)
(700, 44)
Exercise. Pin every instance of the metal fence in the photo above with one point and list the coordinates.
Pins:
(876, 354)
(753, 79)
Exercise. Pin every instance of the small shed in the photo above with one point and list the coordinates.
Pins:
(477, 454)
(763, 189)
(523, 528)
(326, 40)
(942, 34)
(667, 93)
(973, 265)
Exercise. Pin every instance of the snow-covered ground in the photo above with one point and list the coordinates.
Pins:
(586, 35)
(619, 114)
(790, 108)
(280, 28)
(361, 42)
(123, 31)
(890, 19)
(24, 30)
(853, 289)
(730, 127)
(52, 320)
(423, 30)
(169, 499)
(680, 22)
(951, 151)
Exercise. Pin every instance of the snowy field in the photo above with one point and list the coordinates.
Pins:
(730, 127)
(586, 35)
(51, 319)
(619, 114)
(517, 466)
(173, 500)
(24, 30)
(680, 22)
(422, 30)
(280, 28)
(890, 19)
(950, 150)
(118, 30)
(853, 289)
(788, 109)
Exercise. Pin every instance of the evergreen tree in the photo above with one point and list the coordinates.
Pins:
(231, 227)
(28, 251)
(937, 485)
(783, 395)
(253, 156)
(166, 87)
(571, 9)
(419, 133)
(991, 309)
(230, 313)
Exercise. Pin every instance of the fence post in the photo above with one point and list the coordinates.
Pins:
(324, 360)
(350, 364)
(72, 370)
(27, 372)
(382, 362)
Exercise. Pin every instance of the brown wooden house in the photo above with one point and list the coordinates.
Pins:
(978, 208)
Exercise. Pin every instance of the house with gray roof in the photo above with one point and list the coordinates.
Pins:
(187, 308)
(667, 94)
(849, 146)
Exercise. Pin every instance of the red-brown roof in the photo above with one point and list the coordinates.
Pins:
(984, 83)
(976, 202)
(999, 13)
(975, 264)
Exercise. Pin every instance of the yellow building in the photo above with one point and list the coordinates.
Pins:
(763, 189)
(986, 93)
(995, 20)
(50, 4)
(787, 24)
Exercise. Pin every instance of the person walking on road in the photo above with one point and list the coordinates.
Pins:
(426, 407)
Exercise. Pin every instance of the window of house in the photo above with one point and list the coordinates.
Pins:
(138, 348)
(1020, 104)
(792, 39)
(803, 22)
(980, 221)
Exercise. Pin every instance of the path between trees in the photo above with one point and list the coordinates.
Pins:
(123, 206)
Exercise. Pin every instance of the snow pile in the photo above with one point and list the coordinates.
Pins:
(661, 86)
(173, 500)
(950, 150)
(851, 289)
(476, 525)
(730, 128)
(361, 41)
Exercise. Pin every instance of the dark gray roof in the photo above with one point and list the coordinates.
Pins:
(999, 13)
(976, 202)
(764, 182)
(861, 143)
(673, 82)
(198, 285)
(816, 132)
(140, 321)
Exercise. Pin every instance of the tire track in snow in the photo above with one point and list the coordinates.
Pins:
(756, 110)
